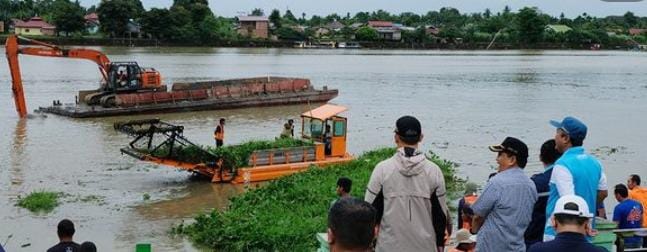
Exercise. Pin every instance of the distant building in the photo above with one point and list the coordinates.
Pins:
(558, 28)
(636, 31)
(253, 26)
(92, 23)
(386, 30)
(335, 26)
(133, 29)
(432, 30)
(35, 26)
(321, 31)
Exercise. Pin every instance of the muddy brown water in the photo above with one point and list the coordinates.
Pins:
(466, 100)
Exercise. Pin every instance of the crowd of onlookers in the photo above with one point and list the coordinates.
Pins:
(405, 209)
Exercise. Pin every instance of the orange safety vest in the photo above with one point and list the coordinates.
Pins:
(219, 135)
(469, 201)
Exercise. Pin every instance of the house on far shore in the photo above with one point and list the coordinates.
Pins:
(636, 31)
(386, 30)
(92, 23)
(558, 28)
(35, 26)
(253, 26)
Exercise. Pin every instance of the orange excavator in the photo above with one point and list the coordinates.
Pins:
(117, 77)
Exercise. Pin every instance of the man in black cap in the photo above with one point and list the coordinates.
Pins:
(504, 209)
(405, 189)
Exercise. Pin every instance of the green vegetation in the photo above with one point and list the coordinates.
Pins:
(285, 214)
(192, 22)
(40, 201)
(234, 155)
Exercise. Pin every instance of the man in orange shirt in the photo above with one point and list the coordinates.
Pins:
(638, 193)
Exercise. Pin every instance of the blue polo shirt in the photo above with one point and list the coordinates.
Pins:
(629, 214)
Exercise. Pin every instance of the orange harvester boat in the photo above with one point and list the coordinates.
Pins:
(262, 165)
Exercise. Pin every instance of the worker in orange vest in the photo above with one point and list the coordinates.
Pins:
(464, 211)
(219, 133)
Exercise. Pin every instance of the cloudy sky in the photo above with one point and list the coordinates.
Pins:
(571, 8)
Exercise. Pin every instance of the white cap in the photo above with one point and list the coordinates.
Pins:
(579, 208)
(464, 236)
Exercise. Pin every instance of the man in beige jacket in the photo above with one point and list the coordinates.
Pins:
(408, 192)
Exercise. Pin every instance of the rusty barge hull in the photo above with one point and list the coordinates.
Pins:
(206, 95)
(84, 111)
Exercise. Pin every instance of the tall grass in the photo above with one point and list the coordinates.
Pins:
(285, 214)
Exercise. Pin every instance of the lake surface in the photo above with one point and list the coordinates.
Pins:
(466, 100)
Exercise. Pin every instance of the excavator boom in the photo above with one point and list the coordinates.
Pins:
(43, 49)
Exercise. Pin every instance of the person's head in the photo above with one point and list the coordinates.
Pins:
(352, 225)
(548, 154)
(65, 229)
(570, 133)
(571, 214)
(633, 181)
(621, 192)
(344, 186)
(471, 188)
(290, 122)
(408, 132)
(510, 153)
(88, 247)
(287, 126)
(222, 121)
(465, 240)
(327, 127)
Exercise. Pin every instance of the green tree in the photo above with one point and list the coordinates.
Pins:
(275, 18)
(630, 19)
(286, 33)
(289, 16)
(529, 26)
(366, 34)
(157, 23)
(115, 15)
(68, 17)
(258, 12)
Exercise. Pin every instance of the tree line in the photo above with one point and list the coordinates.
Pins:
(192, 21)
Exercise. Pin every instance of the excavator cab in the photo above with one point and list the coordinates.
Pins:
(128, 77)
(324, 125)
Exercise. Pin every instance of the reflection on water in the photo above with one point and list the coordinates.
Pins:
(195, 198)
(18, 155)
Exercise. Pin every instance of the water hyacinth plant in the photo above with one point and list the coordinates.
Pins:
(285, 214)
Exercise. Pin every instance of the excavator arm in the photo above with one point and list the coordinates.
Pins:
(47, 50)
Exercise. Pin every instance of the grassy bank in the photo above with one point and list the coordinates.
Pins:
(40, 201)
(285, 214)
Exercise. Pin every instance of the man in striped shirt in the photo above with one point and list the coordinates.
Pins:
(504, 209)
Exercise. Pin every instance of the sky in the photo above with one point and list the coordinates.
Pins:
(570, 8)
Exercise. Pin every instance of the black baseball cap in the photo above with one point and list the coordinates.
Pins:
(513, 146)
(409, 129)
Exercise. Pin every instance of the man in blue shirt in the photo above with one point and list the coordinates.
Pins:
(627, 214)
(504, 209)
(575, 172)
(571, 220)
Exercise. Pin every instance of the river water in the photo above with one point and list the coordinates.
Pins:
(466, 100)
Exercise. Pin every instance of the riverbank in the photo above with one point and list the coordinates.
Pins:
(260, 43)
(285, 214)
